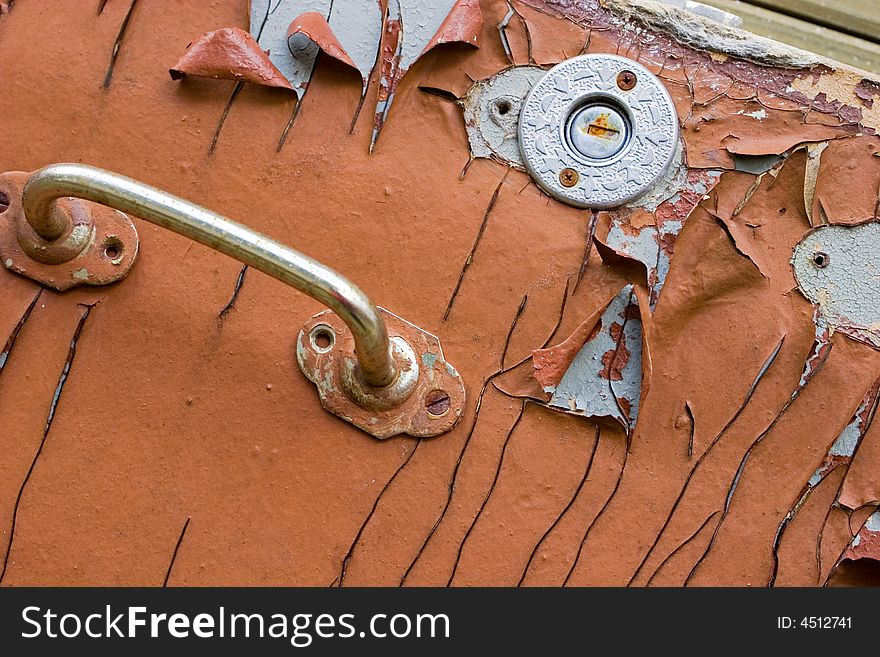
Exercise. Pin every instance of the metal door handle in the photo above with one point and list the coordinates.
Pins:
(54, 231)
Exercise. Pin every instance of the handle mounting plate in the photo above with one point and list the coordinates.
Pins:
(110, 241)
(435, 403)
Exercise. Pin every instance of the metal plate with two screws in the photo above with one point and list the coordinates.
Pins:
(598, 131)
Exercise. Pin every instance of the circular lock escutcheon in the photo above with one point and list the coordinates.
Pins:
(598, 131)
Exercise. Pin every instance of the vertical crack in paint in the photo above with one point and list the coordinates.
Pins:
(343, 569)
(519, 311)
(470, 257)
(595, 519)
(733, 418)
(564, 511)
(235, 91)
(13, 337)
(820, 537)
(588, 246)
(59, 388)
(174, 554)
(692, 429)
(114, 55)
(818, 357)
(454, 477)
(230, 305)
(489, 492)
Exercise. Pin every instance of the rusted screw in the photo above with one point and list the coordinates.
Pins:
(568, 177)
(821, 259)
(626, 80)
(438, 403)
(4, 202)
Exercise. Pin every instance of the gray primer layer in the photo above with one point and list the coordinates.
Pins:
(295, 58)
(357, 25)
(847, 290)
(420, 20)
(490, 132)
(585, 388)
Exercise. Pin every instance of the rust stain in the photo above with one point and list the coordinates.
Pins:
(600, 127)
(615, 360)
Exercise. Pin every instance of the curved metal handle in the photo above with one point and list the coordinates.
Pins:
(57, 181)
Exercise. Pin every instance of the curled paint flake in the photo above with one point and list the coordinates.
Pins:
(414, 27)
(352, 35)
(605, 377)
(294, 55)
(229, 54)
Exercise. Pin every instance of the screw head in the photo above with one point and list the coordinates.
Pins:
(438, 403)
(821, 259)
(568, 177)
(626, 80)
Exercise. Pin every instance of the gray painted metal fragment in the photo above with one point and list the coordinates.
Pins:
(294, 57)
(491, 113)
(605, 377)
(838, 269)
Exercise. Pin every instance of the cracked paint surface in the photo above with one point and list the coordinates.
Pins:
(388, 35)
(605, 377)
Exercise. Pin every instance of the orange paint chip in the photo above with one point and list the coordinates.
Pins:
(229, 54)
(313, 25)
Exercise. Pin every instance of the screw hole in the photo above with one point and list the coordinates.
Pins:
(113, 249)
(4, 202)
(323, 338)
(503, 106)
(821, 259)
(438, 403)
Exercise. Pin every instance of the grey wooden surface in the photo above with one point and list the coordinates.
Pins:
(845, 30)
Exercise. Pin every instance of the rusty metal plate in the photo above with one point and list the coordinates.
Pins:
(432, 406)
(111, 246)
